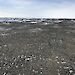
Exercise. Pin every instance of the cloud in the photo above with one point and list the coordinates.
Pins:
(4, 14)
(37, 8)
(19, 2)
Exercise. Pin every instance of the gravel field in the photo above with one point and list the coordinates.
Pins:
(45, 48)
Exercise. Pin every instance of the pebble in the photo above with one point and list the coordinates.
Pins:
(41, 72)
(58, 62)
(66, 67)
(16, 66)
(56, 57)
(41, 68)
(71, 71)
(27, 59)
(63, 62)
(5, 45)
(4, 73)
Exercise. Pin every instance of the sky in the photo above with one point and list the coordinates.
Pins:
(37, 8)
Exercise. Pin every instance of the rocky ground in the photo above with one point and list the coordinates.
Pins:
(37, 49)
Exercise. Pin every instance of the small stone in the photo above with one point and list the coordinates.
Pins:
(41, 68)
(19, 74)
(66, 67)
(5, 45)
(63, 62)
(56, 57)
(41, 72)
(18, 56)
(4, 73)
(22, 56)
(22, 65)
(71, 71)
(16, 66)
(57, 62)
(27, 59)
(33, 70)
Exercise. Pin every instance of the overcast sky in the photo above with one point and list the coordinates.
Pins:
(37, 8)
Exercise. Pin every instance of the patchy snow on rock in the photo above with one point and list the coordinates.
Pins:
(58, 21)
(45, 23)
(6, 23)
(33, 22)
